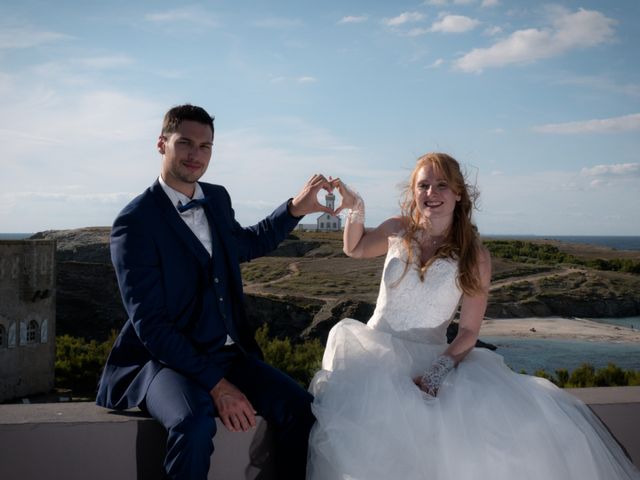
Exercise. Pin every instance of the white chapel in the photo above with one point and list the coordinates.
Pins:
(327, 222)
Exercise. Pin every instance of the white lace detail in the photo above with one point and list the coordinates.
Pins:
(414, 309)
(434, 376)
(356, 214)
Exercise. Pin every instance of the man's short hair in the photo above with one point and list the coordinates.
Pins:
(174, 117)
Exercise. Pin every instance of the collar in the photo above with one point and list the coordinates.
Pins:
(177, 197)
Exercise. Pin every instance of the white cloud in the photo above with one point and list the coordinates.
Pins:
(304, 79)
(436, 64)
(625, 123)
(454, 24)
(27, 37)
(616, 169)
(61, 197)
(557, 203)
(182, 15)
(106, 62)
(403, 18)
(441, 3)
(353, 19)
(492, 31)
(569, 31)
(490, 3)
(601, 82)
(278, 22)
(416, 32)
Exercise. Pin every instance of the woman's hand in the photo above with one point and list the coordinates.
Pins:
(349, 197)
(428, 389)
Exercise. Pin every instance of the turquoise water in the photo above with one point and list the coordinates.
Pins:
(630, 322)
(550, 355)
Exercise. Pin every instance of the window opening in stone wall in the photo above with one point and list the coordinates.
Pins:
(12, 338)
(32, 331)
(3, 337)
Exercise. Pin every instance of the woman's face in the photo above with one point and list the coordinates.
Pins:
(433, 195)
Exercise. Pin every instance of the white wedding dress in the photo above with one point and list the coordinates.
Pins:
(487, 421)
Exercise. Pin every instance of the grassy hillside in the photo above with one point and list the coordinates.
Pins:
(529, 277)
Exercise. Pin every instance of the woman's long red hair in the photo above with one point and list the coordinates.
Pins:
(462, 241)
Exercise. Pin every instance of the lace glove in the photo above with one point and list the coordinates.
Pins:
(432, 379)
(354, 214)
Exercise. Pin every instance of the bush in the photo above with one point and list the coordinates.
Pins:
(300, 361)
(79, 363)
(587, 376)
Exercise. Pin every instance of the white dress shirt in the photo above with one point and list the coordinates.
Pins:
(195, 218)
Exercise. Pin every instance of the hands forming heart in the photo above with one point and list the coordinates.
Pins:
(307, 200)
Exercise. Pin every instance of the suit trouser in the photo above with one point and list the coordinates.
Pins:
(188, 413)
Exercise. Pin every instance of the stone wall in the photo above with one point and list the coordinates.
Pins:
(27, 317)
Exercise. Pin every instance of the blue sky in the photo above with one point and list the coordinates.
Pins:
(539, 101)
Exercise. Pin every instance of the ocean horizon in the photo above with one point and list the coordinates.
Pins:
(618, 242)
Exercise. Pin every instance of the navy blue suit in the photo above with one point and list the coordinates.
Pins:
(181, 305)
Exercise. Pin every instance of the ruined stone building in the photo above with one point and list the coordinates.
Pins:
(27, 317)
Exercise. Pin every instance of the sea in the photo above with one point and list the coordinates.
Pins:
(626, 242)
(530, 354)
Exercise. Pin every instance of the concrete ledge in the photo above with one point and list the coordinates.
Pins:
(619, 410)
(79, 440)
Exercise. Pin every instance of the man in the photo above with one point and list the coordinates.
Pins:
(186, 354)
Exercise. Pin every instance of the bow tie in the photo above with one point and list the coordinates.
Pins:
(192, 204)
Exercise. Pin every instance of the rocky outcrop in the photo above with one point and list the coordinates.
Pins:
(89, 304)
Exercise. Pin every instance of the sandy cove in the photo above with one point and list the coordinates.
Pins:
(560, 329)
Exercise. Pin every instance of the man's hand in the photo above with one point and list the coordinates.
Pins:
(235, 410)
(307, 200)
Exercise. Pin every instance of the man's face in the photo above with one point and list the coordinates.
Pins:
(186, 154)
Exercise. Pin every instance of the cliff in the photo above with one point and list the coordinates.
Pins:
(305, 286)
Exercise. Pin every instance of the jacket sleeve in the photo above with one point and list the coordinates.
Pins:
(263, 237)
(138, 267)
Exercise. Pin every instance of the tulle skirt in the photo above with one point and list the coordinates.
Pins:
(487, 421)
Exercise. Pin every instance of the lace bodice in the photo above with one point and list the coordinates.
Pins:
(414, 309)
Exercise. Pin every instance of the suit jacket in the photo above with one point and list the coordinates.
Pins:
(181, 303)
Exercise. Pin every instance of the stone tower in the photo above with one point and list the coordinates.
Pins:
(27, 317)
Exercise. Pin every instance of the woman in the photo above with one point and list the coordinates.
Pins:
(394, 401)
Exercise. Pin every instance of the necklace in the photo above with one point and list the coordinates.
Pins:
(431, 241)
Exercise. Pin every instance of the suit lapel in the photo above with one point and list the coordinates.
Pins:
(181, 229)
(220, 231)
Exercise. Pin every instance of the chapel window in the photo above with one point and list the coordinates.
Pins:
(32, 331)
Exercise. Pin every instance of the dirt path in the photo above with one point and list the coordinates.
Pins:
(562, 271)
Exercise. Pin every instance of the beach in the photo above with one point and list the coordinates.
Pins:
(560, 329)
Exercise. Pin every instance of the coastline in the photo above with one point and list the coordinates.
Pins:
(558, 328)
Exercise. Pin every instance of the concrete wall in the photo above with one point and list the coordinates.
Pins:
(78, 441)
(27, 317)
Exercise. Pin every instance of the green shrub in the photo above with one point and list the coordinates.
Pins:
(587, 376)
(300, 361)
(79, 362)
